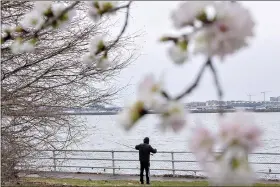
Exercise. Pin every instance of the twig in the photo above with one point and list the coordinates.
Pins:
(217, 82)
(120, 7)
(196, 82)
(122, 31)
(186, 36)
(164, 93)
(218, 85)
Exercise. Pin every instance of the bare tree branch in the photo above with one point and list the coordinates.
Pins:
(34, 86)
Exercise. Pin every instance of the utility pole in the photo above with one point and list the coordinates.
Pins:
(264, 94)
(250, 95)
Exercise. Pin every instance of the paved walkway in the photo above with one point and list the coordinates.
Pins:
(90, 176)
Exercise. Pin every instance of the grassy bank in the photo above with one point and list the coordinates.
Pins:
(51, 182)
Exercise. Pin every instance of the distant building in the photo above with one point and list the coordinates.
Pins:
(216, 103)
(96, 107)
(244, 105)
(275, 98)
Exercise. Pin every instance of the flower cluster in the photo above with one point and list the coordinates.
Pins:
(237, 137)
(46, 10)
(35, 20)
(97, 54)
(174, 116)
(231, 169)
(172, 113)
(130, 115)
(219, 29)
(18, 46)
(241, 131)
(63, 18)
(99, 8)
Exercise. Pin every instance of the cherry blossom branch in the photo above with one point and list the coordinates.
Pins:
(196, 82)
(218, 86)
(47, 23)
(217, 82)
(51, 21)
(165, 94)
(120, 7)
(123, 28)
(189, 90)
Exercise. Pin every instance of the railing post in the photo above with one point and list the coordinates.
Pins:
(113, 162)
(173, 165)
(54, 160)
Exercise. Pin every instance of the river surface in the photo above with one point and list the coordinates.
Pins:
(105, 134)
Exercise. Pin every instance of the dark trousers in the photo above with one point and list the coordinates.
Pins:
(145, 166)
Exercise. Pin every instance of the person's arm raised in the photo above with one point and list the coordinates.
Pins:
(153, 150)
(137, 147)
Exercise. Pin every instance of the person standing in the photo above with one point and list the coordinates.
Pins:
(144, 157)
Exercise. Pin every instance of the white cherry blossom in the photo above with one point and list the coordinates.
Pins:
(108, 5)
(231, 169)
(100, 60)
(241, 130)
(96, 43)
(103, 63)
(42, 6)
(19, 46)
(97, 8)
(57, 9)
(232, 28)
(238, 136)
(187, 12)
(27, 46)
(93, 12)
(202, 142)
(130, 115)
(89, 60)
(32, 20)
(16, 47)
(174, 116)
(177, 54)
(149, 91)
(251, 137)
(6, 29)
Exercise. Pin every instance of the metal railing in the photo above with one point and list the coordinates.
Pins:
(172, 163)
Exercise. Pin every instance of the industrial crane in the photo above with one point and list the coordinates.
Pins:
(264, 92)
(250, 96)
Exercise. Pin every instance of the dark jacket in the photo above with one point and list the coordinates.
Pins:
(144, 150)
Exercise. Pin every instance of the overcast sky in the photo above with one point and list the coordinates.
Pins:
(249, 71)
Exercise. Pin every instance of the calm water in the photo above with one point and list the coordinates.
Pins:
(105, 133)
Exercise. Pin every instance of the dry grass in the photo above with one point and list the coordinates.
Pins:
(51, 182)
